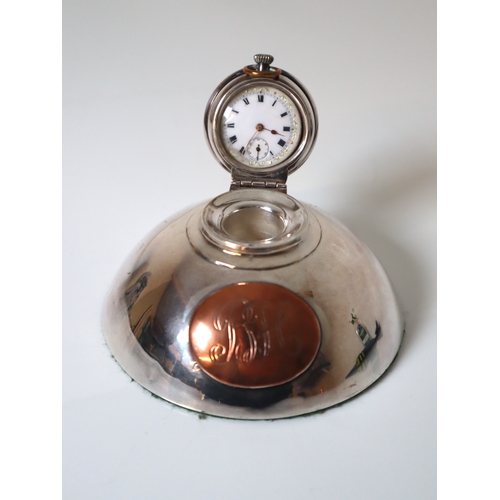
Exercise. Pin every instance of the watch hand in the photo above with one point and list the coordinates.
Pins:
(249, 141)
(259, 127)
(273, 132)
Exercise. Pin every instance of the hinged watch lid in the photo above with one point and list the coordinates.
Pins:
(261, 124)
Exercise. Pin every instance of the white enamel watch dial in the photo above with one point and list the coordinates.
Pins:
(261, 126)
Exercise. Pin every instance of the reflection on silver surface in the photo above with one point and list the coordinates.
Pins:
(254, 306)
(254, 334)
(158, 291)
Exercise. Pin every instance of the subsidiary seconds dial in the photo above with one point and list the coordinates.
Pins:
(261, 126)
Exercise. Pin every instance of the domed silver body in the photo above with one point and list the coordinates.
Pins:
(264, 238)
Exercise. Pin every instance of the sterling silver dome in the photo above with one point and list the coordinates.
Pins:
(250, 291)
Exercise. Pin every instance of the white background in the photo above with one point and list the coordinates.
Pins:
(136, 78)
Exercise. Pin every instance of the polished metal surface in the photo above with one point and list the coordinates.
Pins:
(255, 222)
(266, 59)
(282, 82)
(166, 287)
(254, 334)
(254, 306)
(262, 67)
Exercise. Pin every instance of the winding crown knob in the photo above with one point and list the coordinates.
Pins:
(263, 59)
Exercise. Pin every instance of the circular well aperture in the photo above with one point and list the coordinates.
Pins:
(253, 224)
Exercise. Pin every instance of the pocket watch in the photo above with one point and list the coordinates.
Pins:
(261, 124)
(255, 305)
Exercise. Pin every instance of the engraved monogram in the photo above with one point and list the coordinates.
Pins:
(254, 335)
(251, 330)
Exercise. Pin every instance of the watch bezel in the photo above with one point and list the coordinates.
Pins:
(235, 84)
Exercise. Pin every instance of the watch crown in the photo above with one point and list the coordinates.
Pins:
(263, 60)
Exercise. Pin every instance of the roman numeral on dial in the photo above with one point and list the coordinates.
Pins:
(246, 101)
(285, 129)
(283, 114)
(260, 98)
(233, 139)
(231, 125)
(281, 142)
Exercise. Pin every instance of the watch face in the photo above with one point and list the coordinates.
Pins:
(260, 126)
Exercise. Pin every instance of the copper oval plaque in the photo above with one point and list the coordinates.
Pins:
(254, 335)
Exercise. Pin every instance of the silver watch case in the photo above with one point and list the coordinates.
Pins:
(240, 81)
